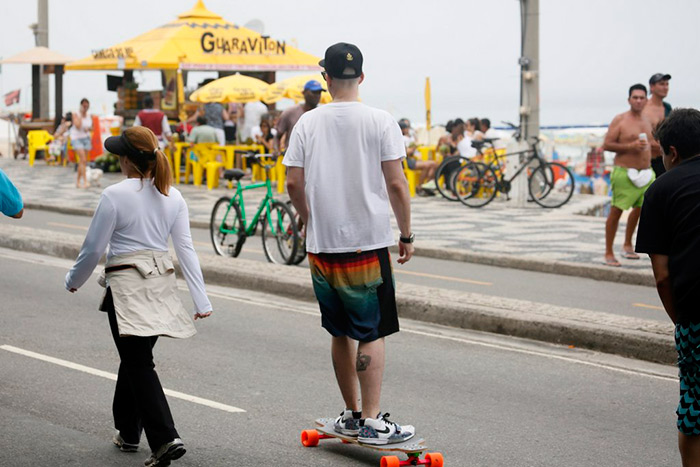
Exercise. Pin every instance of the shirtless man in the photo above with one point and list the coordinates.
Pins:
(656, 110)
(630, 138)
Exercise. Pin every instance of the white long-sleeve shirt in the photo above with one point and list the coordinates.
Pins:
(131, 216)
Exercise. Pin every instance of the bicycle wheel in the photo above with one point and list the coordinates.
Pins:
(551, 185)
(226, 228)
(301, 248)
(280, 235)
(476, 184)
(443, 176)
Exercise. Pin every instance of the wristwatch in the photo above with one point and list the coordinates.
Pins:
(408, 239)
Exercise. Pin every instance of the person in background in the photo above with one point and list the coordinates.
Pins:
(203, 133)
(426, 168)
(155, 120)
(289, 118)
(472, 130)
(668, 233)
(447, 144)
(81, 140)
(629, 136)
(215, 113)
(251, 114)
(655, 110)
(135, 218)
(57, 147)
(10, 199)
(265, 134)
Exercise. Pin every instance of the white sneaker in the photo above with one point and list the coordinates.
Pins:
(381, 430)
(348, 423)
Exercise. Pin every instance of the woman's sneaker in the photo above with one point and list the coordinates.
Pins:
(348, 423)
(381, 430)
(123, 445)
(171, 451)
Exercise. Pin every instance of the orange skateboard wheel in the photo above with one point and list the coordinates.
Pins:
(309, 438)
(390, 461)
(435, 459)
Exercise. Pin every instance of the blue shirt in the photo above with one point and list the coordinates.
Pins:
(10, 199)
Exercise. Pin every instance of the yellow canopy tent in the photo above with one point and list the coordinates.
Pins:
(199, 40)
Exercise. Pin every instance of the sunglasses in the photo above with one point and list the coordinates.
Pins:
(323, 74)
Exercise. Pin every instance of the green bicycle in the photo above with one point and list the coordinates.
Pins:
(281, 238)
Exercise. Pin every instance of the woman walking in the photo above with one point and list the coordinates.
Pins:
(81, 140)
(135, 218)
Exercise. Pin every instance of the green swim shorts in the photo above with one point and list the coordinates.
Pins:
(626, 194)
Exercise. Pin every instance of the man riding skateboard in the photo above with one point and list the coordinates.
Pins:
(344, 165)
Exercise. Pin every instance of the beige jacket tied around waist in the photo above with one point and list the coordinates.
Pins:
(145, 297)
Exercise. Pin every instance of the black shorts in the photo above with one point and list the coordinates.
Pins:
(356, 293)
(411, 163)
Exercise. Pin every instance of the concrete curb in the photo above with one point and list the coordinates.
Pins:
(637, 338)
(589, 271)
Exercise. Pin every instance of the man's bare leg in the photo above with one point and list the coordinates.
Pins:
(370, 371)
(689, 447)
(632, 222)
(344, 356)
(610, 231)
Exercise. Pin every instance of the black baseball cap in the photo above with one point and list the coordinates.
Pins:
(659, 77)
(341, 56)
(121, 146)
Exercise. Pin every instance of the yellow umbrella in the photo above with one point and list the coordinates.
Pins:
(427, 104)
(199, 40)
(293, 88)
(234, 88)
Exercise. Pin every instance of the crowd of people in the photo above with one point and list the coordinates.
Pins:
(457, 141)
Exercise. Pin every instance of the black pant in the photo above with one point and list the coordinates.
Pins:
(139, 401)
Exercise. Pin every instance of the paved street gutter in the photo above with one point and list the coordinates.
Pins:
(631, 337)
(566, 268)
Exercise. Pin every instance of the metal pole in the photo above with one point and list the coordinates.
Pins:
(529, 87)
(58, 74)
(530, 68)
(42, 39)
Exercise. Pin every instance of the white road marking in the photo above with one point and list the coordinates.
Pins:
(113, 377)
(644, 305)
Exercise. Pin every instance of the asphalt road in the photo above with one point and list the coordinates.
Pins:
(480, 399)
(623, 299)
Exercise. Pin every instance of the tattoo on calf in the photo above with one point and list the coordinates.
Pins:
(363, 361)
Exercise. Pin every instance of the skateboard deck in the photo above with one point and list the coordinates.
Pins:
(413, 447)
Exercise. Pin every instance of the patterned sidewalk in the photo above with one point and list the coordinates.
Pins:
(562, 234)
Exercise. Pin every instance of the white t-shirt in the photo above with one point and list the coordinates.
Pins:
(341, 147)
(252, 114)
(464, 147)
(134, 216)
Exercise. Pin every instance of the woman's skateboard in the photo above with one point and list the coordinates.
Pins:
(413, 448)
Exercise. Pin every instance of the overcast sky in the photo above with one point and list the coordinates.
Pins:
(591, 51)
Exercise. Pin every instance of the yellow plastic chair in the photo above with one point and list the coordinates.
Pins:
(412, 177)
(281, 174)
(212, 170)
(197, 159)
(38, 140)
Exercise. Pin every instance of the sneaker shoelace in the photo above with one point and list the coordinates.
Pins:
(386, 420)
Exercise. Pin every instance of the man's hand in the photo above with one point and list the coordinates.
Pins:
(638, 146)
(405, 252)
(202, 315)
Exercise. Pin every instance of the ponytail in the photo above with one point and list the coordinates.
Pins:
(162, 177)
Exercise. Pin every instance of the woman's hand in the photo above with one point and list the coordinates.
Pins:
(206, 314)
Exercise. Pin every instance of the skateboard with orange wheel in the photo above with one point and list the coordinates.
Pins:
(413, 448)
